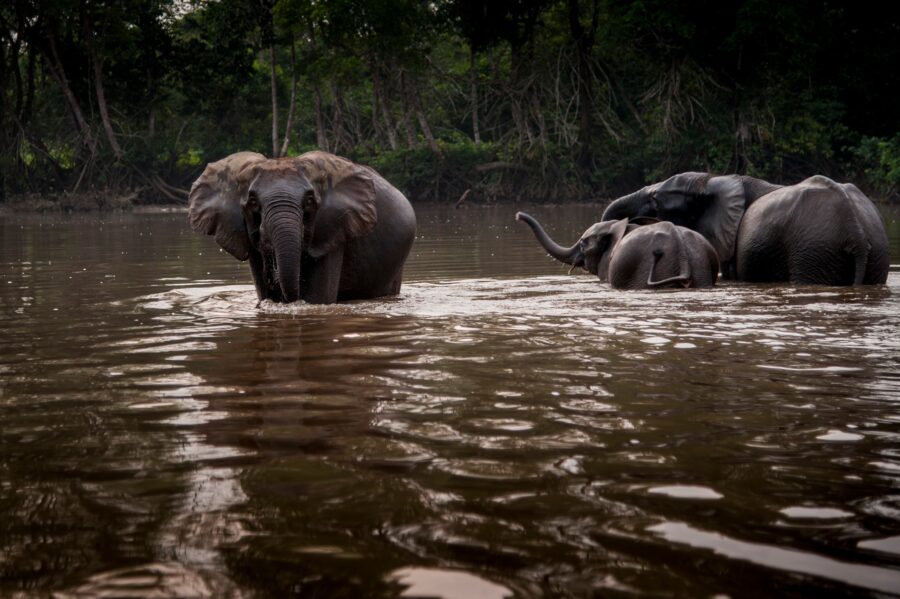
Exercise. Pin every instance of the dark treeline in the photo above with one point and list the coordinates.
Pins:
(500, 99)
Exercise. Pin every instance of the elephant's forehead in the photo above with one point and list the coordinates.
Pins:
(277, 168)
(227, 169)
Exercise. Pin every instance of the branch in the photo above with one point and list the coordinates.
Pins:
(498, 166)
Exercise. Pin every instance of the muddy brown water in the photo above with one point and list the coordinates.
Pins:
(500, 429)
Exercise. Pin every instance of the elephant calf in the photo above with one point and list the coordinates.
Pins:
(641, 254)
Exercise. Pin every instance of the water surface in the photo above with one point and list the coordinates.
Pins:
(500, 429)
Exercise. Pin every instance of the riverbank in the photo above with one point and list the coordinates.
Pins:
(88, 201)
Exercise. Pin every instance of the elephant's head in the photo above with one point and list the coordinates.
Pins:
(277, 212)
(711, 205)
(591, 252)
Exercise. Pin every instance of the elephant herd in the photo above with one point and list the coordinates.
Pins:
(323, 229)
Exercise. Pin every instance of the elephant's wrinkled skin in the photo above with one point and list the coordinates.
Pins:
(644, 254)
(315, 227)
(814, 232)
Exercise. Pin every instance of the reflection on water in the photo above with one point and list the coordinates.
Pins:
(500, 429)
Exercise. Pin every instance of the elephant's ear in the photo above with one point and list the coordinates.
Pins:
(712, 206)
(720, 221)
(214, 204)
(606, 245)
(617, 232)
(347, 211)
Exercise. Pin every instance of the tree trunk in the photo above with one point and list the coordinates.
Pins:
(539, 117)
(290, 117)
(25, 114)
(101, 104)
(584, 42)
(14, 49)
(338, 127)
(273, 78)
(56, 69)
(407, 112)
(321, 139)
(473, 74)
(97, 68)
(381, 103)
(423, 122)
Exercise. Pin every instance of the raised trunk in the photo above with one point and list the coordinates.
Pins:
(570, 255)
(285, 226)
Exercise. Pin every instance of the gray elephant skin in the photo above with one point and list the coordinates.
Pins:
(315, 227)
(815, 232)
(641, 254)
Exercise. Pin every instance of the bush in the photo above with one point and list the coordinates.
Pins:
(879, 163)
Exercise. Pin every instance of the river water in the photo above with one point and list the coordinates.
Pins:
(500, 429)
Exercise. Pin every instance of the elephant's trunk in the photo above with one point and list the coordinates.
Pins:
(285, 226)
(630, 206)
(571, 255)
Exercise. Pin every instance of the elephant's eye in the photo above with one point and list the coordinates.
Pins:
(252, 200)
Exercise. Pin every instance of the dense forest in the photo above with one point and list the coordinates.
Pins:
(488, 100)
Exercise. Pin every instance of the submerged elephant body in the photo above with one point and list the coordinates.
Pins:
(316, 227)
(637, 255)
(814, 232)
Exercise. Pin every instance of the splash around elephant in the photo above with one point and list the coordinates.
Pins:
(315, 227)
(815, 232)
(641, 254)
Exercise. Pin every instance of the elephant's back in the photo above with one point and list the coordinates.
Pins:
(817, 231)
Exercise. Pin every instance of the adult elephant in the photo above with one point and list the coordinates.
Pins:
(814, 232)
(315, 227)
(640, 254)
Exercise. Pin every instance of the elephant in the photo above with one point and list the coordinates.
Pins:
(315, 227)
(814, 232)
(640, 254)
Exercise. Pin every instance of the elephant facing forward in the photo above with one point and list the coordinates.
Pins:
(643, 254)
(315, 227)
(814, 232)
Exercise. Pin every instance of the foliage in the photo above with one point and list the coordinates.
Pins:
(881, 160)
(546, 100)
